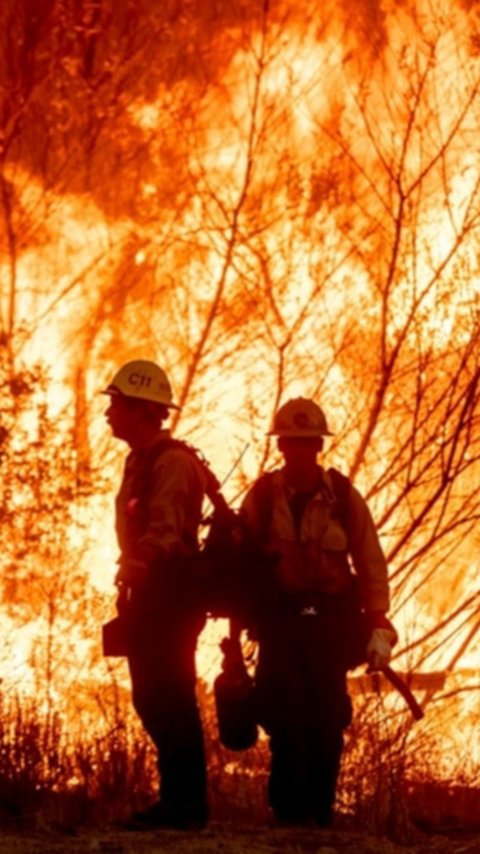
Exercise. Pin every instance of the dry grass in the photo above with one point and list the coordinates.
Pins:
(74, 788)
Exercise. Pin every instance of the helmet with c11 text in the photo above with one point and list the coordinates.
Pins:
(300, 418)
(142, 380)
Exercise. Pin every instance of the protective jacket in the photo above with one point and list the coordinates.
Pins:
(314, 544)
(158, 507)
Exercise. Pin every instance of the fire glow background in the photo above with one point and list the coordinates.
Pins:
(270, 199)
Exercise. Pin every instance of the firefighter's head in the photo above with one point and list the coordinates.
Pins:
(140, 399)
(300, 426)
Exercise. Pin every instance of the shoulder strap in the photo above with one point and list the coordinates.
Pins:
(342, 487)
(263, 494)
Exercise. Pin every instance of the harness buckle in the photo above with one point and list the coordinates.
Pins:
(309, 611)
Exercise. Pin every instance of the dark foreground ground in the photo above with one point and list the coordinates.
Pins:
(230, 839)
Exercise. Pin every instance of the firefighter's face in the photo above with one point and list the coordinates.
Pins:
(300, 453)
(122, 415)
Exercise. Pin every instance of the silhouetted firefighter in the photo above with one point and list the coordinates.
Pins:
(315, 616)
(158, 511)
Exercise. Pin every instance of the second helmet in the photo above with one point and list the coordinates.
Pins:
(300, 418)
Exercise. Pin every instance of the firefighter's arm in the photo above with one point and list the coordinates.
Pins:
(174, 506)
(371, 567)
(367, 555)
(256, 512)
(176, 496)
(249, 513)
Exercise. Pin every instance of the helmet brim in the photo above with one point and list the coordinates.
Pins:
(303, 434)
(113, 391)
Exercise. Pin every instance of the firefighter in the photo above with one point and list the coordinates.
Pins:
(158, 510)
(309, 613)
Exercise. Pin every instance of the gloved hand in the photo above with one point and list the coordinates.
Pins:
(379, 648)
(131, 571)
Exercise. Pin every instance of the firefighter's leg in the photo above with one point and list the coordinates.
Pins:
(163, 683)
(284, 716)
(325, 759)
(330, 715)
(288, 781)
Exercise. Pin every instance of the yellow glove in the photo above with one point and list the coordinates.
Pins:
(379, 648)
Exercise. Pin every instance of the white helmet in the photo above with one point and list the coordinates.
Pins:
(142, 380)
(300, 418)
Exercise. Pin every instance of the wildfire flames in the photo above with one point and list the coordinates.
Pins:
(269, 200)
